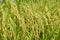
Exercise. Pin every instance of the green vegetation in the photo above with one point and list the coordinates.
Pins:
(30, 20)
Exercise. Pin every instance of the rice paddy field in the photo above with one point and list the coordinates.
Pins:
(29, 19)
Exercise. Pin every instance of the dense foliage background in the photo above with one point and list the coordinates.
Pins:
(29, 19)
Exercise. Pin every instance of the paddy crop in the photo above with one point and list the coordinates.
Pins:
(30, 20)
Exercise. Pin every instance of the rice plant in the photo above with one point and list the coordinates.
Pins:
(29, 20)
